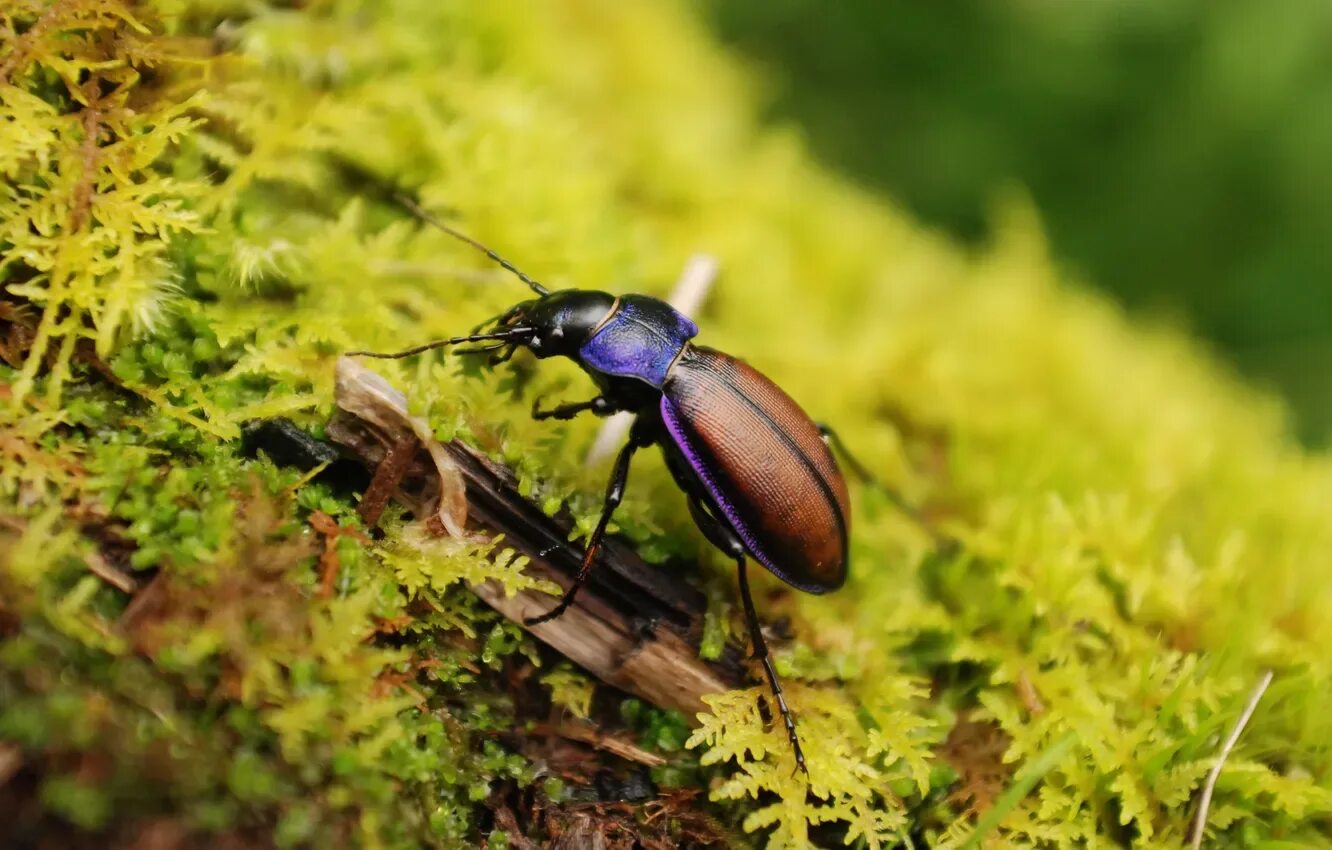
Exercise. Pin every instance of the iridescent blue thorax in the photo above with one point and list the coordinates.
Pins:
(640, 339)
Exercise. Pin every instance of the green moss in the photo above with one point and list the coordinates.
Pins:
(1137, 534)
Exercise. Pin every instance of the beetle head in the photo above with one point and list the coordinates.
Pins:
(559, 322)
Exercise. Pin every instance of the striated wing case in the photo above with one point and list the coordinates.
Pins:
(765, 465)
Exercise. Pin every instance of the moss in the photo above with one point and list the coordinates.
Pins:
(195, 227)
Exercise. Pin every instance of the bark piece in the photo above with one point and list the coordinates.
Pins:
(367, 396)
(634, 626)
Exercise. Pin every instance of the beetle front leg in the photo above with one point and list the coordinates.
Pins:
(614, 494)
(600, 406)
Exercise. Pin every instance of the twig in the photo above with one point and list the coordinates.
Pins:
(1031, 698)
(13, 523)
(99, 567)
(11, 759)
(388, 475)
(507, 821)
(597, 740)
(1200, 822)
(699, 273)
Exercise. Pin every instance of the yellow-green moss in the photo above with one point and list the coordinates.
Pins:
(1138, 534)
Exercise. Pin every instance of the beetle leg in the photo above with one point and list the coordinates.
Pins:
(761, 653)
(718, 533)
(721, 536)
(601, 406)
(504, 356)
(861, 470)
(867, 477)
(614, 493)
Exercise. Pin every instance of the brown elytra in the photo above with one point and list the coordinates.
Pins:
(763, 462)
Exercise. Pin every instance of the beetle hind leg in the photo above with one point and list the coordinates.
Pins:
(721, 536)
(868, 478)
(765, 657)
(861, 471)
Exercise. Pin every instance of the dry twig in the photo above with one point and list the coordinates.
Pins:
(587, 734)
(1200, 822)
(11, 759)
(99, 567)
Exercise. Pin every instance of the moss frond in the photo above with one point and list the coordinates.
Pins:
(89, 208)
(570, 690)
(858, 776)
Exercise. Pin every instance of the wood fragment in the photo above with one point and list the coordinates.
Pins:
(507, 821)
(1205, 804)
(99, 567)
(583, 832)
(366, 396)
(634, 626)
(586, 734)
(11, 759)
(388, 475)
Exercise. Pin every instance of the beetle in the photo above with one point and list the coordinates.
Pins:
(758, 473)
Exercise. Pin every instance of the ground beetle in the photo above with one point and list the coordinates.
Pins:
(757, 471)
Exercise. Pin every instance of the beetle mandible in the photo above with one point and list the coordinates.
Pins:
(757, 471)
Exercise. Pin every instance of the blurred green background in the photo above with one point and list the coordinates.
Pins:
(1179, 151)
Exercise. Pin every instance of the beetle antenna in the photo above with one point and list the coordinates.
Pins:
(508, 334)
(416, 210)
